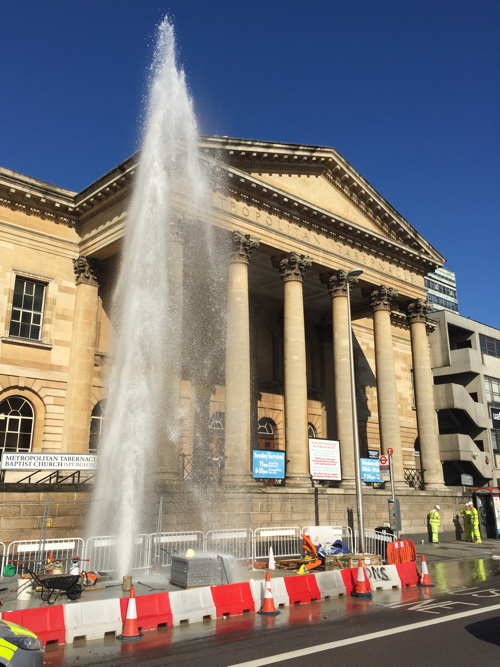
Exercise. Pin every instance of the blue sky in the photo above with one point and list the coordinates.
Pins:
(407, 92)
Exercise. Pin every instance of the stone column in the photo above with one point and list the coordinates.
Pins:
(78, 407)
(428, 433)
(292, 268)
(237, 415)
(336, 281)
(381, 299)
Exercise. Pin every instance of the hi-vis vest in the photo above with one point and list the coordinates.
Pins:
(434, 516)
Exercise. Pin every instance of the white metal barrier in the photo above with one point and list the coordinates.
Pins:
(376, 542)
(3, 557)
(331, 534)
(33, 554)
(243, 544)
(232, 542)
(286, 542)
(165, 545)
(101, 552)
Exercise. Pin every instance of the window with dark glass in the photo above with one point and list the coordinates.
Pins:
(96, 427)
(16, 425)
(489, 345)
(27, 309)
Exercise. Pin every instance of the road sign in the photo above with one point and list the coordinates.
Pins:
(383, 460)
(390, 451)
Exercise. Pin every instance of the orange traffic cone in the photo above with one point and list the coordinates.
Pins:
(268, 608)
(131, 632)
(272, 562)
(425, 580)
(362, 587)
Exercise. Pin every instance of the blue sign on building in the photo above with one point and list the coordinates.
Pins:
(268, 464)
(370, 470)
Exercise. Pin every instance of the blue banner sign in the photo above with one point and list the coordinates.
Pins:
(495, 417)
(268, 464)
(370, 470)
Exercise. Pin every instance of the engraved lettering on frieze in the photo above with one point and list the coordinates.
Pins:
(337, 281)
(274, 219)
(86, 270)
(292, 266)
(243, 244)
(417, 310)
(381, 298)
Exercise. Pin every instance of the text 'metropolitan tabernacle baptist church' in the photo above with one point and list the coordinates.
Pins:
(297, 220)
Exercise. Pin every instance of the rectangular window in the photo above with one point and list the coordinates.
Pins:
(492, 388)
(489, 346)
(27, 309)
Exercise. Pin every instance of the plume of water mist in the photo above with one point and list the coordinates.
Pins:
(146, 310)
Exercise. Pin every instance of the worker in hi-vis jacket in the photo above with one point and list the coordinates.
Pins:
(434, 521)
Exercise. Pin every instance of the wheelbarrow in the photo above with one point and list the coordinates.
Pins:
(53, 585)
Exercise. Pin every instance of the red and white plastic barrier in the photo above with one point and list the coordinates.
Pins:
(93, 619)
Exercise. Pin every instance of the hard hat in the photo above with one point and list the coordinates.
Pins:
(437, 507)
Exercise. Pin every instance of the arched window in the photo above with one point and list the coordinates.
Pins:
(217, 422)
(311, 431)
(16, 424)
(96, 427)
(265, 432)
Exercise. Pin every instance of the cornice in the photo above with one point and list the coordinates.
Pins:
(253, 191)
(248, 155)
(33, 197)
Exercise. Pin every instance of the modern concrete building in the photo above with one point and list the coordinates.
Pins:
(442, 289)
(299, 219)
(466, 366)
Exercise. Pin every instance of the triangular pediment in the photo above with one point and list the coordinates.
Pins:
(319, 178)
(318, 189)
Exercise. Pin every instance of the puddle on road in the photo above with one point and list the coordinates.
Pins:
(469, 572)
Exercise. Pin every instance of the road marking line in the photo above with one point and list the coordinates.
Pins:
(290, 655)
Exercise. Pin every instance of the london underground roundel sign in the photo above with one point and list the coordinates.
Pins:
(383, 460)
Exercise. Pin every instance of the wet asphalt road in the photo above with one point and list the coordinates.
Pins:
(456, 623)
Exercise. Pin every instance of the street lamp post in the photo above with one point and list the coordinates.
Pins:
(357, 469)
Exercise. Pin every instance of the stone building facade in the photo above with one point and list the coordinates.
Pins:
(299, 218)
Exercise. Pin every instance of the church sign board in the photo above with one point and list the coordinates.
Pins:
(324, 459)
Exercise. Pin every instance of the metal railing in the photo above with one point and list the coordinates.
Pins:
(32, 554)
(414, 478)
(159, 548)
(286, 542)
(101, 553)
(232, 542)
(165, 545)
(376, 542)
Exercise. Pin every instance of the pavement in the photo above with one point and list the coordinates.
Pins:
(449, 548)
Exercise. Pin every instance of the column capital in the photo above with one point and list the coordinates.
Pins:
(242, 246)
(292, 266)
(86, 270)
(417, 310)
(381, 297)
(337, 282)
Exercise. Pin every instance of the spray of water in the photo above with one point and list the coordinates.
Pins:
(158, 298)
